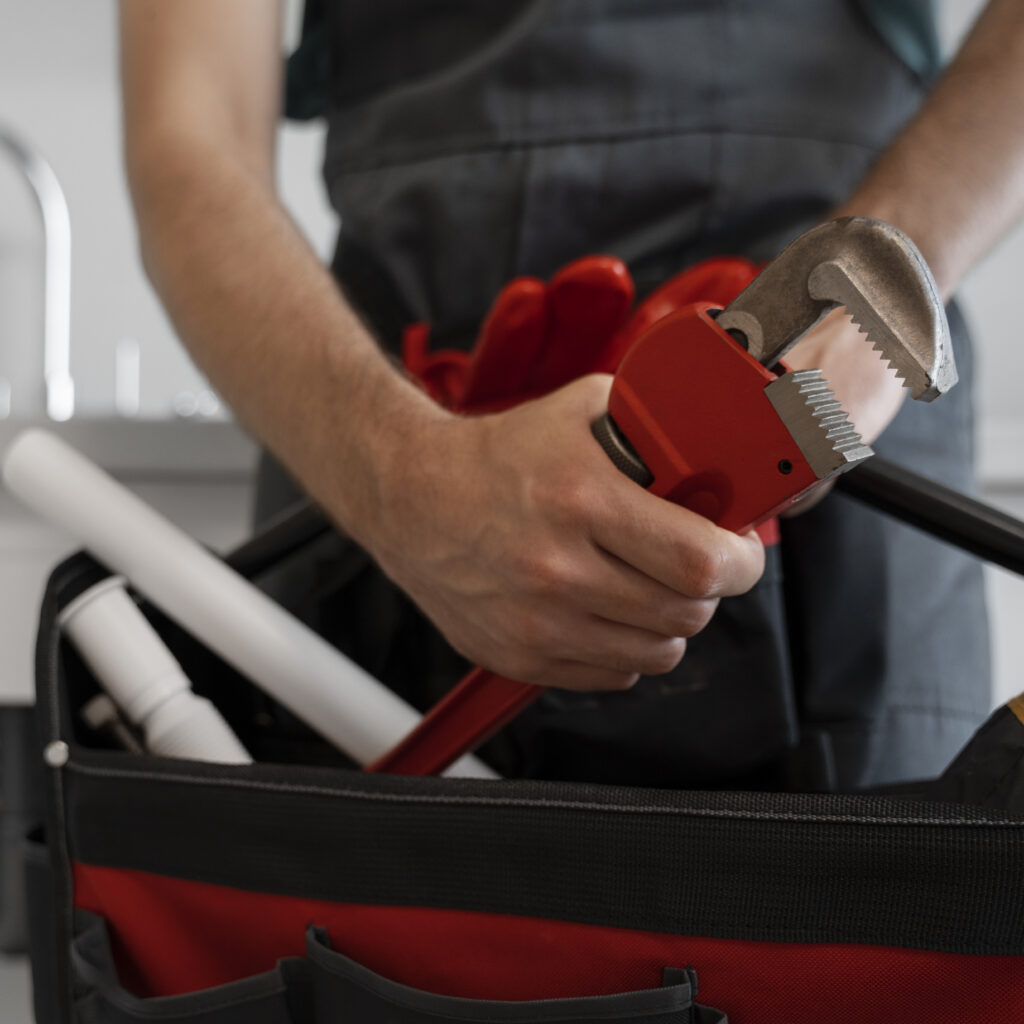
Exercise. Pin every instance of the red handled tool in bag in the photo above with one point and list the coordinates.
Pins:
(703, 412)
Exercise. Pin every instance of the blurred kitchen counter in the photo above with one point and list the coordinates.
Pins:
(143, 448)
(198, 473)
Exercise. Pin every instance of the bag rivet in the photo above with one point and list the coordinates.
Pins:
(56, 754)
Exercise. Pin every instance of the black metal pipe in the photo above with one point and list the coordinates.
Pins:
(289, 531)
(939, 510)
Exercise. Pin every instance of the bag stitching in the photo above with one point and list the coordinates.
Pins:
(348, 792)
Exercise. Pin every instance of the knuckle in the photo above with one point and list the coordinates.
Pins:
(563, 494)
(706, 571)
(691, 618)
(547, 574)
(664, 657)
(550, 577)
(620, 681)
(675, 618)
(522, 666)
(532, 630)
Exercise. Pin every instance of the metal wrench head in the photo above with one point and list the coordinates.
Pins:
(872, 269)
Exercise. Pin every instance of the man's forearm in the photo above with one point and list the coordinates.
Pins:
(266, 322)
(513, 531)
(954, 178)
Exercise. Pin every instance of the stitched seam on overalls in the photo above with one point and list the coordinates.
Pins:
(341, 163)
(916, 709)
(925, 709)
(710, 207)
(412, 798)
(522, 201)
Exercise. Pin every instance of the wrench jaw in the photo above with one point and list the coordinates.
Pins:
(817, 423)
(912, 336)
(872, 269)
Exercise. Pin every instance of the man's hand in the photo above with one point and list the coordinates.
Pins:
(538, 559)
(513, 532)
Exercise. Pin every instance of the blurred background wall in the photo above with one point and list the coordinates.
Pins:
(988, 298)
(58, 91)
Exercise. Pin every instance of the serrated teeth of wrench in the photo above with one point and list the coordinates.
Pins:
(892, 352)
(872, 269)
(817, 423)
(920, 357)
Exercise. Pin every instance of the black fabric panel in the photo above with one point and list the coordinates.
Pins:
(53, 722)
(42, 935)
(768, 867)
(990, 769)
(20, 812)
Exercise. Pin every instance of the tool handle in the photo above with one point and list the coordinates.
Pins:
(472, 712)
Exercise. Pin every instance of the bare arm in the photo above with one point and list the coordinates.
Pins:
(953, 180)
(513, 532)
(259, 313)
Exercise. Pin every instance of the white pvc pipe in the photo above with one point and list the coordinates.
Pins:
(288, 660)
(142, 677)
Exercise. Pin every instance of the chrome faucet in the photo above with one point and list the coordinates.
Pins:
(53, 207)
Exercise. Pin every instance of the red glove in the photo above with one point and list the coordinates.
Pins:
(540, 336)
(535, 338)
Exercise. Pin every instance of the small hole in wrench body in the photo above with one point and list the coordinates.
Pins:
(785, 466)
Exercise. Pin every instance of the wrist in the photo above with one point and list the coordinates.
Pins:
(387, 436)
(887, 206)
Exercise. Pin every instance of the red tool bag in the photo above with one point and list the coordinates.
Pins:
(300, 889)
(301, 892)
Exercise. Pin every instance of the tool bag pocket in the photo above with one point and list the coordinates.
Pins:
(343, 989)
(100, 998)
(327, 988)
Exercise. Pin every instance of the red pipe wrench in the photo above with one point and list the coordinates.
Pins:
(704, 413)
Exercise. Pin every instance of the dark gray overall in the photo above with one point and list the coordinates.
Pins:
(472, 141)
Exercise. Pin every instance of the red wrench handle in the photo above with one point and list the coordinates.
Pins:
(471, 713)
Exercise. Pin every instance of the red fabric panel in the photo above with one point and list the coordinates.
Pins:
(174, 936)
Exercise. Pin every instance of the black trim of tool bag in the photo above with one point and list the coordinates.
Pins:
(755, 866)
(740, 866)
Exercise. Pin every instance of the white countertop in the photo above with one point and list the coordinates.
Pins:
(152, 448)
